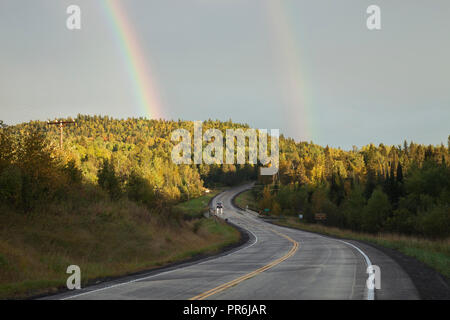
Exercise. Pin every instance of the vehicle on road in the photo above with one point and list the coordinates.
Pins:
(219, 208)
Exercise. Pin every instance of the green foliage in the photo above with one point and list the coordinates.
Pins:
(402, 221)
(352, 208)
(139, 145)
(376, 212)
(131, 158)
(30, 174)
(435, 223)
(108, 180)
(140, 190)
(73, 172)
(11, 185)
(375, 189)
(125, 158)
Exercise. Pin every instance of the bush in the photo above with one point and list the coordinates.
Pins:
(435, 223)
(108, 180)
(140, 190)
(73, 172)
(11, 186)
(376, 212)
(402, 221)
(352, 209)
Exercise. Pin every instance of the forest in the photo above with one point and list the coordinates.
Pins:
(402, 188)
(108, 157)
(397, 189)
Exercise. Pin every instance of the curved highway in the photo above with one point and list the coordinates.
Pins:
(276, 263)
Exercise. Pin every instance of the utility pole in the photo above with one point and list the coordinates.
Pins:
(61, 124)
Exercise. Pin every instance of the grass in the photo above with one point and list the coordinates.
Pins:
(195, 208)
(434, 253)
(105, 239)
(245, 199)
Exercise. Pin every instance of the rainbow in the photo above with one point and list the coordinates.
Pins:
(145, 90)
(296, 100)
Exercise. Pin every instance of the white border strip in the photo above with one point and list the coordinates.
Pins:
(162, 273)
(159, 274)
(370, 292)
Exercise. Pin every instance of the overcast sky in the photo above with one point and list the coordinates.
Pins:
(309, 68)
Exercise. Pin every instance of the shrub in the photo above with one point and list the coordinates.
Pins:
(11, 186)
(435, 223)
(139, 189)
(376, 212)
(108, 180)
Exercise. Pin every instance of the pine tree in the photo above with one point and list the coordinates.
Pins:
(399, 173)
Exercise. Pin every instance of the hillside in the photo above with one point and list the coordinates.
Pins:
(109, 200)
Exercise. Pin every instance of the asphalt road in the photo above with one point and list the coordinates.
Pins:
(276, 263)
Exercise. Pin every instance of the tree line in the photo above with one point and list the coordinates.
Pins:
(120, 158)
(402, 189)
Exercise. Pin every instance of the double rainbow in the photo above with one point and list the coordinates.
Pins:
(146, 93)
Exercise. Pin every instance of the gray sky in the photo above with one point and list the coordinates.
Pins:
(310, 68)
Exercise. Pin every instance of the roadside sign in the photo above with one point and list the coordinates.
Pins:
(320, 216)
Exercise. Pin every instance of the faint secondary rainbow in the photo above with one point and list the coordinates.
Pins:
(288, 57)
(144, 88)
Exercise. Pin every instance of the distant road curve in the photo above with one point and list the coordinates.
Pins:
(276, 263)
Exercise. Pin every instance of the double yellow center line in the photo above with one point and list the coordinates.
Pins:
(234, 282)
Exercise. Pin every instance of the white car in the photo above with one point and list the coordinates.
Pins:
(219, 208)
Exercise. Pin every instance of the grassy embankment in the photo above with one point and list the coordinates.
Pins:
(106, 239)
(196, 207)
(246, 200)
(434, 253)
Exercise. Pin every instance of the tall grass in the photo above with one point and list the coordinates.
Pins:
(246, 199)
(195, 208)
(105, 239)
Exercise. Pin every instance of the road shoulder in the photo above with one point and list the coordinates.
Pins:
(428, 283)
(96, 284)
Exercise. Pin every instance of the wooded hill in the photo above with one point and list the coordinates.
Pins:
(403, 188)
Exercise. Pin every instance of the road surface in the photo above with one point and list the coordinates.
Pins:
(276, 263)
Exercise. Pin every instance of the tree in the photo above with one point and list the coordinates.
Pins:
(108, 180)
(435, 223)
(266, 201)
(353, 207)
(74, 173)
(376, 212)
(7, 149)
(399, 173)
(139, 189)
(370, 184)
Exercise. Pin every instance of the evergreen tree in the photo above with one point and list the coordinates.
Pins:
(108, 180)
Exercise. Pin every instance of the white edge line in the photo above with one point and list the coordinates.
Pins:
(233, 252)
(370, 291)
(165, 272)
